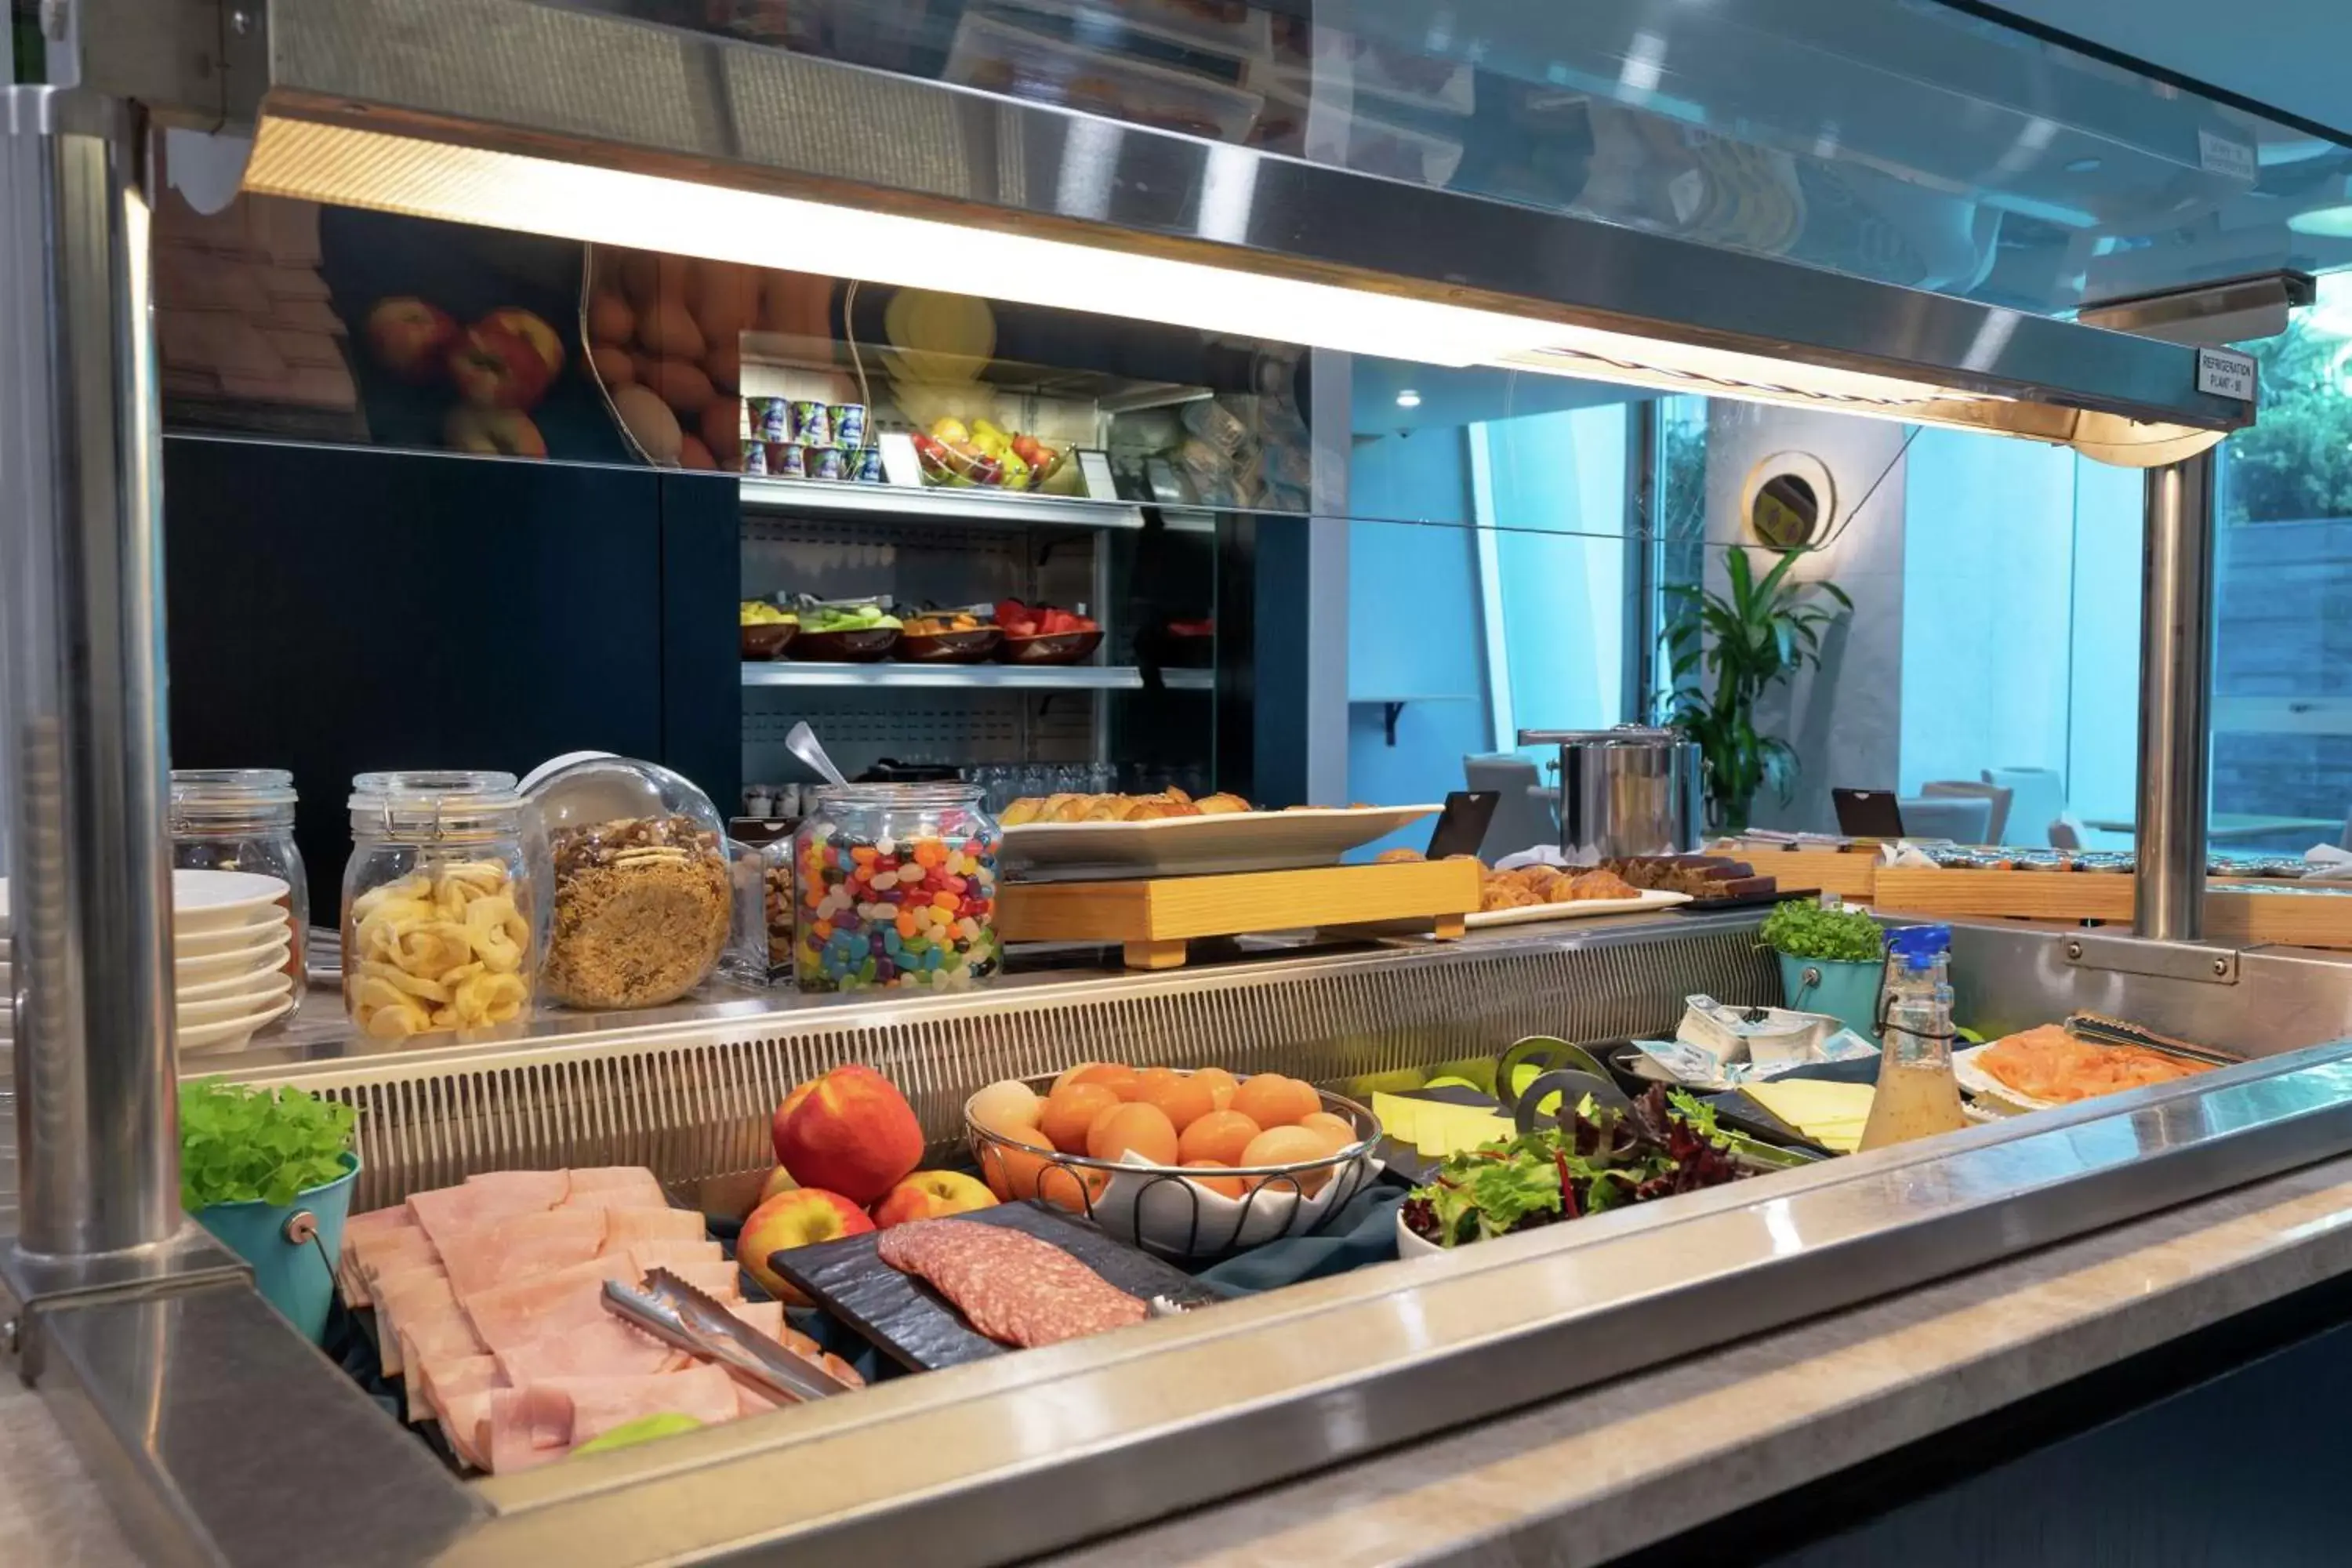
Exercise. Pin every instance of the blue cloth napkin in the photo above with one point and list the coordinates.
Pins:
(1362, 1232)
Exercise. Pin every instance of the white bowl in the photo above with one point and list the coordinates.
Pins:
(230, 939)
(254, 960)
(1411, 1243)
(222, 1009)
(228, 1037)
(254, 983)
(221, 900)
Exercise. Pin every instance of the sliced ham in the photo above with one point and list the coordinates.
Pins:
(626, 1228)
(630, 1198)
(588, 1178)
(768, 1317)
(606, 1348)
(526, 1426)
(401, 1298)
(438, 1334)
(522, 1248)
(532, 1425)
(360, 1231)
(445, 1212)
(433, 1384)
(390, 1253)
(651, 1255)
(548, 1304)
(721, 1281)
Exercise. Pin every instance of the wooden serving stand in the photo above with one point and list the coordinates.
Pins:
(2287, 917)
(1155, 918)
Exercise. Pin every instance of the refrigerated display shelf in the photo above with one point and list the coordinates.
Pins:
(975, 677)
(973, 506)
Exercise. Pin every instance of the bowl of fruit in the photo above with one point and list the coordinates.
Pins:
(983, 456)
(850, 631)
(1188, 1164)
(764, 629)
(1040, 634)
(948, 637)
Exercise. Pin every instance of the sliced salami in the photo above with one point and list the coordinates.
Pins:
(1013, 1288)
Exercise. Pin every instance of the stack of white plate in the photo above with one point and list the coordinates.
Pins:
(230, 939)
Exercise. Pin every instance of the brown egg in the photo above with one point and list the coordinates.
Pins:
(1116, 1077)
(1273, 1100)
(1004, 1105)
(1222, 1085)
(1143, 1130)
(608, 364)
(649, 422)
(1224, 1186)
(1072, 1187)
(1333, 1130)
(1183, 1098)
(1288, 1146)
(725, 363)
(1221, 1136)
(610, 320)
(668, 329)
(722, 425)
(681, 384)
(1070, 1110)
(693, 454)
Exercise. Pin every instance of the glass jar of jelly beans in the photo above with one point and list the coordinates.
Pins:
(895, 885)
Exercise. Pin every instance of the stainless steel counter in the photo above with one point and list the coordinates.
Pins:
(1035, 1453)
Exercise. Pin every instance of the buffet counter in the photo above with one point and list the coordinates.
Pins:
(1524, 1388)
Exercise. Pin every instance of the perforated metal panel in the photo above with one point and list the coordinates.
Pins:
(693, 1102)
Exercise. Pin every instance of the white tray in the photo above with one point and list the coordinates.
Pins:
(1581, 908)
(1199, 845)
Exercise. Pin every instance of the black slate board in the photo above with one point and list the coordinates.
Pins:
(916, 1327)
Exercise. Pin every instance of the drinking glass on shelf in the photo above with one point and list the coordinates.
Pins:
(1102, 779)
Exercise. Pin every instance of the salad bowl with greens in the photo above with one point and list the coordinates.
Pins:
(1594, 1160)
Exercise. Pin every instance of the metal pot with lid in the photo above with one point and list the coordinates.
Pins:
(1632, 789)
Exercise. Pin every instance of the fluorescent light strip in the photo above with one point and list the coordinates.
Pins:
(342, 165)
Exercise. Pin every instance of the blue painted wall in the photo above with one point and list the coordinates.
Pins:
(1413, 624)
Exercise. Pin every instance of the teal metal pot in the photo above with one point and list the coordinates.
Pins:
(1846, 989)
(291, 1246)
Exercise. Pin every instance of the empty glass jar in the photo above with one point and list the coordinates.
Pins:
(242, 819)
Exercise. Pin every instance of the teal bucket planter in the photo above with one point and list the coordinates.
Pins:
(1846, 989)
(292, 1263)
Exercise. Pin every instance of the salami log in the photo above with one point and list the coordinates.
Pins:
(1013, 1287)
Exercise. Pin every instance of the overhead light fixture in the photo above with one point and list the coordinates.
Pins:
(347, 165)
(1408, 398)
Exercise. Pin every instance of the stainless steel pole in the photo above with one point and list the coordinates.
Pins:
(80, 551)
(2176, 640)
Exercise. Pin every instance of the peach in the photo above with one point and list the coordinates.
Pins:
(850, 1132)
(793, 1219)
(932, 1194)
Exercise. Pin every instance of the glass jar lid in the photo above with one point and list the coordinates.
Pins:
(210, 800)
(434, 804)
(913, 796)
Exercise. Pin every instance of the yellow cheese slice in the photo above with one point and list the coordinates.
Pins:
(1830, 1114)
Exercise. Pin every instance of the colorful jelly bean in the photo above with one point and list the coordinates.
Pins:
(895, 910)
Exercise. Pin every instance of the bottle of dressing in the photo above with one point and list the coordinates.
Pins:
(1917, 1096)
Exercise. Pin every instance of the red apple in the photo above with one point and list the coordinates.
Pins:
(800, 1218)
(410, 338)
(532, 330)
(507, 432)
(496, 368)
(850, 1132)
(932, 1194)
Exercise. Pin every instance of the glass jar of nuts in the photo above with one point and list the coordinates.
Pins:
(639, 889)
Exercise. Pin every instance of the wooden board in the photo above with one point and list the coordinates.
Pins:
(1849, 873)
(2020, 895)
(1154, 918)
(2237, 915)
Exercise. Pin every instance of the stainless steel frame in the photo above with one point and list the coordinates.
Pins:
(2176, 690)
(513, 76)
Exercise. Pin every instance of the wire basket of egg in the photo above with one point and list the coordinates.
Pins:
(1189, 1165)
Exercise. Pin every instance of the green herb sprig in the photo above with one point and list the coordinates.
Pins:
(1802, 929)
(241, 1145)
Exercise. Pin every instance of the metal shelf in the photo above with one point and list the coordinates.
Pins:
(974, 677)
(971, 506)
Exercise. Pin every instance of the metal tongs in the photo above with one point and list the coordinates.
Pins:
(680, 1315)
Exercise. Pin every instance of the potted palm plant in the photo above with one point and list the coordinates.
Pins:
(1725, 651)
